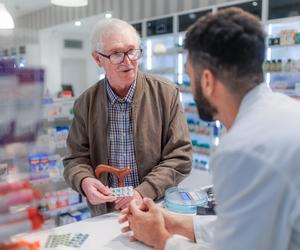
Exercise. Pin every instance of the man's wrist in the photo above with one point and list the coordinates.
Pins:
(82, 190)
(162, 240)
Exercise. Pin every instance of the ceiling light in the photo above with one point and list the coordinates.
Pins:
(70, 3)
(108, 15)
(6, 19)
(77, 23)
(254, 4)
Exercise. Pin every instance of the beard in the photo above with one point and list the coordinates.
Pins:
(205, 110)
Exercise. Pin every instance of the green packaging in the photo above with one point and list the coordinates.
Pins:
(297, 38)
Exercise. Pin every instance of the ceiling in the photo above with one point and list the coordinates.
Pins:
(86, 26)
(9, 37)
(19, 8)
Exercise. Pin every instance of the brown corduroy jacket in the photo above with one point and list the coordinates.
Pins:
(162, 145)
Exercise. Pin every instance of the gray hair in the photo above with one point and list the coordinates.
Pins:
(107, 26)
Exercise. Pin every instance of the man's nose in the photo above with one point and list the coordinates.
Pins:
(126, 59)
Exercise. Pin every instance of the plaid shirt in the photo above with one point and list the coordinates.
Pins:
(121, 151)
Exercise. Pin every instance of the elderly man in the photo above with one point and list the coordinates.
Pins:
(127, 119)
(256, 172)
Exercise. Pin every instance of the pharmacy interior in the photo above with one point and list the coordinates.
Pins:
(46, 64)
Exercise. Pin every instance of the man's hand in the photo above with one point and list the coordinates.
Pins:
(96, 192)
(147, 223)
(123, 202)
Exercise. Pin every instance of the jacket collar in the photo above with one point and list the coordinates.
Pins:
(140, 85)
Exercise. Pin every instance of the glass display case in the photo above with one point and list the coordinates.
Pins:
(282, 65)
(164, 55)
(160, 56)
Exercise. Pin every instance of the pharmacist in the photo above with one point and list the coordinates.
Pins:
(127, 119)
(256, 173)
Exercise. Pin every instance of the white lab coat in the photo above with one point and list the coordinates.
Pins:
(256, 177)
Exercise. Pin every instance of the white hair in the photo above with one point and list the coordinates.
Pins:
(107, 26)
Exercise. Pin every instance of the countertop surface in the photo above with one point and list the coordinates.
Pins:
(104, 233)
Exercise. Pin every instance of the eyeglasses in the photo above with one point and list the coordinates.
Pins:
(118, 57)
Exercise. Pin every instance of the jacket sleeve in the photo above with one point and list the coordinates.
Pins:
(77, 163)
(176, 155)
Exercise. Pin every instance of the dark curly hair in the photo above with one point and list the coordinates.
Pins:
(231, 43)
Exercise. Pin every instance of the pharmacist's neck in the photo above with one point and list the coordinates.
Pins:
(228, 109)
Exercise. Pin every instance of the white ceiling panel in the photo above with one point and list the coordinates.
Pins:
(19, 8)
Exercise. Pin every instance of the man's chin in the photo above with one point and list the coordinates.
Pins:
(128, 74)
(206, 116)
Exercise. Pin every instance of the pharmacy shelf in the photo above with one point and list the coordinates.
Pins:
(190, 112)
(283, 72)
(169, 70)
(52, 120)
(200, 132)
(283, 46)
(185, 90)
(169, 52)
(42, 181)
(201, 151)
(51, 213)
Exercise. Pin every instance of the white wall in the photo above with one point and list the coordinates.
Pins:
(32, 55)
(50, 51)
(53, 54)
(74, 72)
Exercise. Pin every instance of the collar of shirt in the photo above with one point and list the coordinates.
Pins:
(258, 92)
(114, 98)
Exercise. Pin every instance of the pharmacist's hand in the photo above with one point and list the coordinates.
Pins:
(123, 202)
(147, 224)
(126, 212)
(96, 192)
(170, 220)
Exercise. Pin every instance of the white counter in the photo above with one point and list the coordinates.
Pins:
(104, 233)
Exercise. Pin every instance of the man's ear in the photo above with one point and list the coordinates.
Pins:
(97, 58)
(208, 83)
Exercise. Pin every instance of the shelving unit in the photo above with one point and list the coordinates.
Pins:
(20, 92)
(161, 56)
(41, 164)
(170, 58)
(63, 210)
(282, 66)
(165, 56)
(59, 198)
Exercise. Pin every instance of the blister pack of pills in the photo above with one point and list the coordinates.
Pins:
(122, 191)
(54, 241)
(77, 240)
